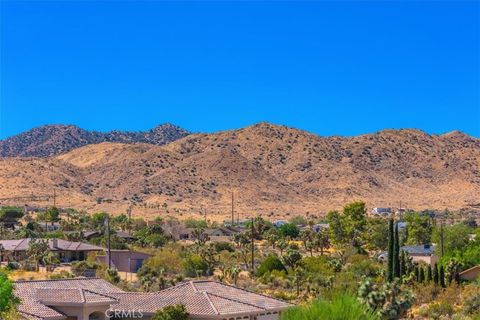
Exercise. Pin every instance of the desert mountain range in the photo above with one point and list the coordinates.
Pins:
(271, 170)
(52, 140)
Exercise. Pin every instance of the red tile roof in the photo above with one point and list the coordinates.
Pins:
(63, 245)
(201, 298)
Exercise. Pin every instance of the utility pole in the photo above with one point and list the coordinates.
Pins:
(253, 248)
(46, 220)
(233, 212)
(441, 237)
(108, 243)
(54, 197)
(129, 212)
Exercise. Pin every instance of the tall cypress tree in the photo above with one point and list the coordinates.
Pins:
(396, 254)
(435, 274)
(441, 275)
(403, 265)
(422, 275)
(429, 274)
(390, 273)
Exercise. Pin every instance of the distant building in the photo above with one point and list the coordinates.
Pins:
(49, 226)
(470, 274)
(16, 250)
(381, 211)
(401, 225)
(423, 253)
(125, 260)
(279, 223)
(97, 299)
(320, 226)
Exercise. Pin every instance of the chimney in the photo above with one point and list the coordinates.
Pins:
(55, 243)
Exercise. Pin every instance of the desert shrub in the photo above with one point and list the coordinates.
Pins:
(341, 307)
(177, 312)
(223, 246)
(167, 259)
(471, 306)
(195, 266)
(439, 309)
(192, 223)
(272, 262)
(63, 274)
(12, 265)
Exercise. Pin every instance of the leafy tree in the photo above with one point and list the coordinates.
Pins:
(419, 228)
(176, 312)
(271, 262)
(337, 229)
(7, 297)
(288, 230)
(355, 215)
(10, 214)
(455, 237)
(52, 214)
(376, 234)
(98, 220)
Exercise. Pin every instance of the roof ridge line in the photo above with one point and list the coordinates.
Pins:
(193, 286)
(239, 288)
(54, 280)
(242, 302)
(82, 295)
(101, 294)
(31, 314)
(210, 302)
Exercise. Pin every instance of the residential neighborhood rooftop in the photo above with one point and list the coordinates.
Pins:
(202, 298)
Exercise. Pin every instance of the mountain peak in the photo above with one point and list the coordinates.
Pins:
(54, 139)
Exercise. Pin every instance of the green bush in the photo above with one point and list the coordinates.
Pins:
(270, 263)
(223, 246)
(177, 312)
(7, 297)
(195, 266)
(438, 310)
(289, 230)
(341, 307)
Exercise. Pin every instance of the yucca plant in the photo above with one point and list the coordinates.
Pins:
(341, 307)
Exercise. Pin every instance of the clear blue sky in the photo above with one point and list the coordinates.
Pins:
(333, 68)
